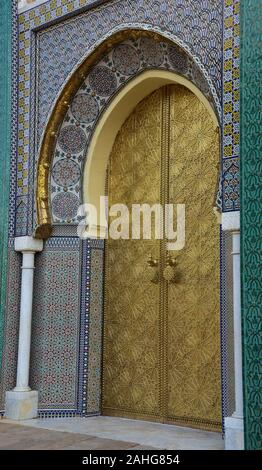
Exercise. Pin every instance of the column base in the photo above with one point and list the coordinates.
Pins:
(234, 433)
(21, 405)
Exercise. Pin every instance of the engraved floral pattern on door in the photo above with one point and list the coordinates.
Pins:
(194, 300)
(161, 340)
(131, 351)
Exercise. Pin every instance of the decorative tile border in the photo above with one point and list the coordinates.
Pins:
(251, 221)
(226, 326)
(5, 138)
(84, 326)
(11, 325)
(14, 122)
(231, 100)
(93, 385)
(9, 298)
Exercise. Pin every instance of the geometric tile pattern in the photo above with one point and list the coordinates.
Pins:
(251, 220)
(105, 79)
(65, 365)
(9, 306)
(231, 104)
(5, 139)
(231, 184)
(66, 326)
(84, 327)
(93, 404)
(21, 216)
(14, 122)
(55, 325)
(227, 346)
(11, 325)
(48, 56)
(195, 26)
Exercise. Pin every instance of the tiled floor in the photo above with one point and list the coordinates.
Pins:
(103, 432)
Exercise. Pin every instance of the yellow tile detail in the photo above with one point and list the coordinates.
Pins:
(228, 108)
(236, 73)
(237, 30)
(229, 22)
(228, 129)
(236, 139)
(236, 52)
(236, 95)
(228, 86)
(236, 8)
(228, 65)
(48, 16)
(236, 116)
(228, 43)
(228, 151)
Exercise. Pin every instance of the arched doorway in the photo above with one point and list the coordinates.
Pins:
(85, 147)
(161, 352)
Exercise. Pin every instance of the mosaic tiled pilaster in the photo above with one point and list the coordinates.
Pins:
(93, 389)
(231, 99)
(11, 325)
(5, 139)
(251, 220)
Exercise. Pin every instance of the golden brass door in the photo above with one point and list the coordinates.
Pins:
(161, 353)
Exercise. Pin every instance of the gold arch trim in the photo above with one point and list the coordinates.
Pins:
(157, 78)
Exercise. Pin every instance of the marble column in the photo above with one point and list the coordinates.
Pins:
(22, 402)
(234, 425)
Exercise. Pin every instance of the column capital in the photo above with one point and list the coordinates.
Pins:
(231, 221)
(28, 244)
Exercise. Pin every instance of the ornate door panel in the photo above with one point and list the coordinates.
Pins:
(193, 299)
(131, 364)
(161, 357)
